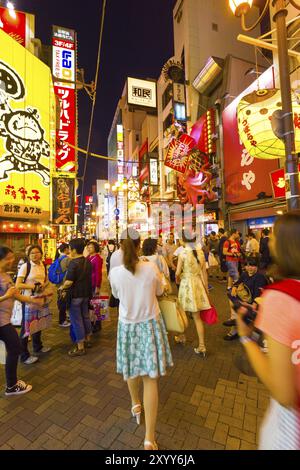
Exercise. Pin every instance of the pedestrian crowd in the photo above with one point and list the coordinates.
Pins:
(157, 286)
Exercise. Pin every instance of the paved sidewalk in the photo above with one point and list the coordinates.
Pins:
(81, 403)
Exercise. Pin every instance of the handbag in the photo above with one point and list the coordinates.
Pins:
(210, 316)
(212, 261)
(173, 314)
(243, 293)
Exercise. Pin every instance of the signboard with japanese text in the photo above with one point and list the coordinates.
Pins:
(63, 201)
(49, 246)
(245, 176)
(278, 183)
(153, 171)
(64, 68)
(27, 132)
(178, 153)
(141, 93)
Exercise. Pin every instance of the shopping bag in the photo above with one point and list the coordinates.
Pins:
(212, 261)
(16, 317)
(210, 316)
(100, 308)
(173, 314)
(36, 319)
(2, 353)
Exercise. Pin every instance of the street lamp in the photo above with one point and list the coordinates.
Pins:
(240, 8)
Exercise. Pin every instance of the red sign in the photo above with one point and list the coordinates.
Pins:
(144, 149)
(14, 24)
(65, 134)
(278, 183)
(245, 176)
(179, 152)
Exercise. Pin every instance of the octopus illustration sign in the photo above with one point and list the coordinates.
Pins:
(27, 132)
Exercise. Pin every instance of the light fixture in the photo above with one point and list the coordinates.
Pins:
(240, 7)
(107, 186)
(4, 226)
(11, 225)
(279, 212)
(11, 10)
(28, 225)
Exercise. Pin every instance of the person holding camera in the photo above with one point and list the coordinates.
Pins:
(247, 289)
(278, 318)
(32, 279)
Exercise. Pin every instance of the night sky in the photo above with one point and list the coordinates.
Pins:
(138, 40)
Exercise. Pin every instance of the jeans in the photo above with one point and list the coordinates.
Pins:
(11, 340)
(233, 270)
(80, 318)
(62, 309)
(36, 340)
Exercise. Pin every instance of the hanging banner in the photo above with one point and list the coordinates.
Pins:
(63, 201)
(27, 132)
(178, 153)
(64, 67)
(49, 246)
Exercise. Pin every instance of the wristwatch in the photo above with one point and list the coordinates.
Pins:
(246, 339)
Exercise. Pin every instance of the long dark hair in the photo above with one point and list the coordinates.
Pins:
(130, 246)
(287, 245)
(4, 251)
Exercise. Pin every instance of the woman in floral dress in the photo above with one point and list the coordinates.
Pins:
(193, 291)
(143, 349)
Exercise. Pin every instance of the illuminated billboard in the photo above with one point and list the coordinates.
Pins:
(64, 69)
(27, 132)
(141, 93)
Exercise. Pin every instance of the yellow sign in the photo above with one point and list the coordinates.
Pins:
(27, 132)
(49, 248)
(255, 113)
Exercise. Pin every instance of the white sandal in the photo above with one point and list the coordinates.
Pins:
(152, 445)
(137, 414)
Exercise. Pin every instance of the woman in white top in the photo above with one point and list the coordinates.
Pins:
(32, 277)
(142, 346)
(193, 291)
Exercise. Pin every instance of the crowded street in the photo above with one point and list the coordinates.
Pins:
(204, 404)
(150, 230)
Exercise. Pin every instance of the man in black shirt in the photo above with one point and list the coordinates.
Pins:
(265, 256)
(78, 283)
(222, 257)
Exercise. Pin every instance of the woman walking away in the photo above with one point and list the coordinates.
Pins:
(8, 334)
(32, 277)
(279, 319)
(97, 265)
(143, 349)
(193, 291)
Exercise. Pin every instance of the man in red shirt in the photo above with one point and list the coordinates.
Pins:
(232, 251)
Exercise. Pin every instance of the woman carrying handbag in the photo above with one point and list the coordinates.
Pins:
(143, 351)
(193, 291)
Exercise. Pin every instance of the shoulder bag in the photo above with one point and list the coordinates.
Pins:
(173, 314)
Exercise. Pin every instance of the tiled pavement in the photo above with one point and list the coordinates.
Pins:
(81, 403)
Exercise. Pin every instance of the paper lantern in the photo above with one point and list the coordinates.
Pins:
(255, 113)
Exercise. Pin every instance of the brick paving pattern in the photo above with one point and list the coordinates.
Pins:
(81, 403)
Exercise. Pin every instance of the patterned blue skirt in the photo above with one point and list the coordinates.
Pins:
(143, 349)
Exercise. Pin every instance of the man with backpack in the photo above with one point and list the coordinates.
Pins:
(57, 273)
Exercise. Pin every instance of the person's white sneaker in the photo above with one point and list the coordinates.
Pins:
(45, 349)
(65, 324)
(31, 360)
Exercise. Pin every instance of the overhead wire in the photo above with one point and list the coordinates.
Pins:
(94, 97)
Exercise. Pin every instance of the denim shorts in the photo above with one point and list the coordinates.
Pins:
(80, 318)
(233, 270)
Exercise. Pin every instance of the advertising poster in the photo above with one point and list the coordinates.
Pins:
(64, 68)
(27, 132)
(49, 248)
(63, 201)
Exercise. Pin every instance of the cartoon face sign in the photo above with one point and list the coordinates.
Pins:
(21, 131)
(24, 125)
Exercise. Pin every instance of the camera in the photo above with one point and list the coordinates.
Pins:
(250, 316)
(37, 287)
